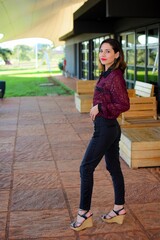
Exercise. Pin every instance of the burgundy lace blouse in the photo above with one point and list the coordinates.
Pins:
(111, 94)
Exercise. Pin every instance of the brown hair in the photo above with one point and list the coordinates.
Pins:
(119, 62)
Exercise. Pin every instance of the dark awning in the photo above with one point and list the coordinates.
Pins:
(104, 16)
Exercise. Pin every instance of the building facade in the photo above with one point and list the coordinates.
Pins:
(136, 25)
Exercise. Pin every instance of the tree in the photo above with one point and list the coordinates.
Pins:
(23, 52)
(5, 52)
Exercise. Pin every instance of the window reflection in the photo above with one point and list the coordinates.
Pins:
(153, 57)
(130, 56)
(152, 60)
(141, 54)
(130, 73)
(140, 38)
(85, 59)
(140, 74)
(152, 37)
(128, 45)
(123, 41)
(131, 42)
(95, 54)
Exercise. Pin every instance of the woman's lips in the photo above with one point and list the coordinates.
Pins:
(103, 59)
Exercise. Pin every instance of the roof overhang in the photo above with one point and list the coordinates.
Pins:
(103, 16)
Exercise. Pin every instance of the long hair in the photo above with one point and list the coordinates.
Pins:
(119, 62)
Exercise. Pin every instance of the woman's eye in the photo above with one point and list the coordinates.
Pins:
(105, 51)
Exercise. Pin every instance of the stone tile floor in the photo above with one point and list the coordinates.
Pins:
(42, 141)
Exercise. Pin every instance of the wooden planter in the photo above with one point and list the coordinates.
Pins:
(83, 102)
(84, 95)
(140, 147)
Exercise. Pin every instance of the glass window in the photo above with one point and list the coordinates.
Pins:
(95, 54)
(128, 45)
(141, 38)
(140, 74)
(130, 56)
(130, 40)
(141, 51)
(123, 41)
(152, 57)
(152, 37)
(130, 73)
(85, 60)
(152, 67)
(141, 56)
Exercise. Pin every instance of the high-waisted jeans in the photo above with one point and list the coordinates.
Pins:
(104, 142)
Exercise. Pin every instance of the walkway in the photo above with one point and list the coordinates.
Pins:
(42, 141)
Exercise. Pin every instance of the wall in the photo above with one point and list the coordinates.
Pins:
(70, 60)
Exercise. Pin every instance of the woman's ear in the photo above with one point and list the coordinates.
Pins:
(117, 55)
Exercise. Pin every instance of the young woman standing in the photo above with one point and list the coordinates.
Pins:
(109, 101)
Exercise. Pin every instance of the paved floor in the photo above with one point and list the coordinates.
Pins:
(42, 141)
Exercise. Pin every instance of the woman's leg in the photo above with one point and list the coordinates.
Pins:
(105, 133)
(113, 166)
(91, 159)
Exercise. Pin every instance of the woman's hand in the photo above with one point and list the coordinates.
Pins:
(93, 112)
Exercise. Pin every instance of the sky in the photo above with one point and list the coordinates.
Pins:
(25, 41)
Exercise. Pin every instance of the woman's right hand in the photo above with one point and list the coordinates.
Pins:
(93, 112)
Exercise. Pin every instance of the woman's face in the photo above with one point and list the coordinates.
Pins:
(107, 55)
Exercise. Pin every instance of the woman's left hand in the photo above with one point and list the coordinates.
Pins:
(93, 112)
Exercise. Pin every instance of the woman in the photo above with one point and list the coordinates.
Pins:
(109, 101)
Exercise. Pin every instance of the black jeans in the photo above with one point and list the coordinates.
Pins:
(104, 142)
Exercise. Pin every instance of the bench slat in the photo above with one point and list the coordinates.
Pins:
(144, 89)
(141, 107)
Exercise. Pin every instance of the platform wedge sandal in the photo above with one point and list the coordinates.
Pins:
(87, 223)
(118, 218)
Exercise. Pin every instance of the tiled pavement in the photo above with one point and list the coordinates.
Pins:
(42, 141)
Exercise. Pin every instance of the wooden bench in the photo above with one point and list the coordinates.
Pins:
(143, 89)
(145, 107)
(131, 92)
(84, 95)
(83, 103)
(140, 147)
(85, 87)
(142, 113)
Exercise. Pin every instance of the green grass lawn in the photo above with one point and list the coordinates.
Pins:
(27, 82)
